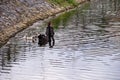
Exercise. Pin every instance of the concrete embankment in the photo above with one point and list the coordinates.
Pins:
(16, 15)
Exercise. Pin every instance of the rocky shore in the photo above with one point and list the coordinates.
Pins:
(16, 15)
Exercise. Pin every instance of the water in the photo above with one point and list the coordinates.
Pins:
(80, 53)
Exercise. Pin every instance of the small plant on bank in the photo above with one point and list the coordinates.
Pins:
(64, 2)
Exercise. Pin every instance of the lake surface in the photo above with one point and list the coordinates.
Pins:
(87, 52)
